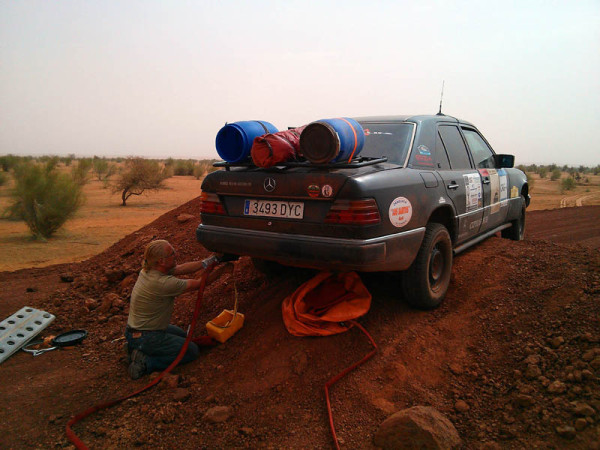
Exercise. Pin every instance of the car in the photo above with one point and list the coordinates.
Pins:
(423, 189)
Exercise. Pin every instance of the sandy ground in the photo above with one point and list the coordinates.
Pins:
(517, 340)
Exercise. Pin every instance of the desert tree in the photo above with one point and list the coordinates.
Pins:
(556, 174)
(43, 197)
(80, 172)
(139, 175)
(567, 184)
(103, 169)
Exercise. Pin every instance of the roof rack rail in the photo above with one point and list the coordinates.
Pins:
(354, 164)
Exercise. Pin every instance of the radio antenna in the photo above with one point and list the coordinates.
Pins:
(441, 98)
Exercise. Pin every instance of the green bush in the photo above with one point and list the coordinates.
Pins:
(44, 198)
(530, 180)
(556, 174)
(3, 178)
(542, 171)
(80, 172)
(184, 167)
(567, 184)
(103, 169)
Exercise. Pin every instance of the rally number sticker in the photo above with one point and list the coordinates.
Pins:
(400, 212)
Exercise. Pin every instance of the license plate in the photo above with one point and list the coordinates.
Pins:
(269, 208)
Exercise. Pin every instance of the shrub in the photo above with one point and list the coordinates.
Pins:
(44, 198)
(567, 184)
(542, 171)
(80, 172)
(555, 175)
(139, 175)
(9, 161)
(530, 180)
(184, 167)
(3, 178)
(103, 169)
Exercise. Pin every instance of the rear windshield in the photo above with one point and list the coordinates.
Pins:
(387, 139)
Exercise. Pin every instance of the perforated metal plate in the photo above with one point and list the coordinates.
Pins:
(18, 329)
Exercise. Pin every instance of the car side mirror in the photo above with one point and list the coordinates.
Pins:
(507, 161)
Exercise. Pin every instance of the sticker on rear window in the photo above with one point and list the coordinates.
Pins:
(400, 212)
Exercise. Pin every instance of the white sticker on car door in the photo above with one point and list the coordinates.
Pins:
(473, 191)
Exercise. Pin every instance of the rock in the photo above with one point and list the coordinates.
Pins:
(580, 424)
(533, 359)
(587, 374)
(107, 302)
(557, 342)
(119, 303)
(31, 289)
(181, 395)
(557, 387)
(566, 432)
(247, 431)
(523, 401)
(532, 372)
(170, 381)
(590, 354)
(114, 276)
(210, 398)
(126, 286)
(415, 428)
(182, 218)
(595, 364)
(456, 369)
(583, 409)
(461, 406)
(90, 303)
(66, 277)
(218, 414)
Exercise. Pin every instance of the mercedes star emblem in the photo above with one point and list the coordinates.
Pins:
(269, 184)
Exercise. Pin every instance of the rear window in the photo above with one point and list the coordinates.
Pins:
(387, 139)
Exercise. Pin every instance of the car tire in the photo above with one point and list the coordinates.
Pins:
(517, 230)
(426, 281)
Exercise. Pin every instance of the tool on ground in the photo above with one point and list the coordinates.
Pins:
(67, 339)
(20, 328)
(227, 323)
(79, 444)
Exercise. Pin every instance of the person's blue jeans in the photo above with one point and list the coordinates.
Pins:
(161, 347)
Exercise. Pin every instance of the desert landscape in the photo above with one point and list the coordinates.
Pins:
(512, 357)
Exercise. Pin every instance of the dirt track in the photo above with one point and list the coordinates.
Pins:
(514, 340)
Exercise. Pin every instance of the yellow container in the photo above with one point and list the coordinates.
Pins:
(224, 325)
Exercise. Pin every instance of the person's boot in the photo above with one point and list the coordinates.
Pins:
(137, 366)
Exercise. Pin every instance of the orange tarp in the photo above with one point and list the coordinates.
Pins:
(321, 305)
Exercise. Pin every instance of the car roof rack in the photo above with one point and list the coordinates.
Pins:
(354, 164)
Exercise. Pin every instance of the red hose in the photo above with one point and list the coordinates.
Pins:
(342, 374)
(78, 443)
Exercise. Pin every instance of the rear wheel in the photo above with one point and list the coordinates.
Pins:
(517, 230)
(425, 283)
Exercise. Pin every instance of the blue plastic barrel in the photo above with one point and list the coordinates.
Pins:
(234, 140)
(332, 140)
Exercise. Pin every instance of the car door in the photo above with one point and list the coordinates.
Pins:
(495, 182)
(461, 180)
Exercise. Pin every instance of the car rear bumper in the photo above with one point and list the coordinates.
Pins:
(386, 253)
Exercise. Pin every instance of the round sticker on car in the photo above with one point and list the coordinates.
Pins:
(400, 212)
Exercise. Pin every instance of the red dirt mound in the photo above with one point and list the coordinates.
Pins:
(512, 356)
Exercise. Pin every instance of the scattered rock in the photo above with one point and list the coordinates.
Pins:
(182, 218)
(126, 286)
(107, 302)
(218, 414)
(114, 276)
(523, 400)
(417, 427)
(246, 431)
(456, 369)
(170, 381)
(461, 406)
(557, 387)
(566, 432)
(557, 342)
(533, 359)
(181, 395)
(31, 289)
(66, 277)
(595, 364)
(90, 303)
(532, 372)
(583, 409)
(591, 354)
(580, 424)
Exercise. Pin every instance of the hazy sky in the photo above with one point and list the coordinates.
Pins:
(160, 78)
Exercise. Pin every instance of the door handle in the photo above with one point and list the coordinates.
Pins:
(486, 180)
(453, 186)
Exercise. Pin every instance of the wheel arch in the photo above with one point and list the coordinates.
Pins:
(445, 215)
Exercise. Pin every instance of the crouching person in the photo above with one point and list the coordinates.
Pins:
(152, 341)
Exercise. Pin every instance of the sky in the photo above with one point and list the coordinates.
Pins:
(159, 78)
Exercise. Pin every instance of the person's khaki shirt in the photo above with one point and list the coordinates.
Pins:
(152, 300)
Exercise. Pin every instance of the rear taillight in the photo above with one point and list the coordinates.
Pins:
(210, 204)
(354, 212)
